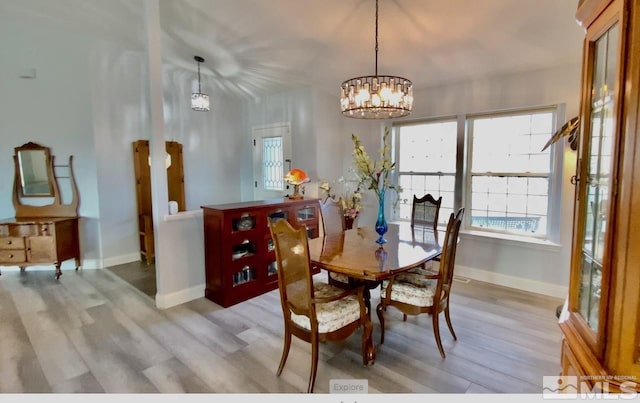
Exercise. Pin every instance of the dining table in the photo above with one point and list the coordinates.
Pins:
(356, 254)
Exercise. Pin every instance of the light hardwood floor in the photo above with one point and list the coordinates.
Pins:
(92, 332)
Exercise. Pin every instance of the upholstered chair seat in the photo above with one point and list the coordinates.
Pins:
(413, 290)
(339, 277)
(410, 275)
(331, 315)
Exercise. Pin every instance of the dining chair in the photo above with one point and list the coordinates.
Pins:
(425, 210)
(332, 214)
(414, 293)
(314, 311)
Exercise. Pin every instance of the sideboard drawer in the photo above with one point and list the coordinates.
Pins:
(11, 243)
(12, 256)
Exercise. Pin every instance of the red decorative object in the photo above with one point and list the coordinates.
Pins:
(348, 222)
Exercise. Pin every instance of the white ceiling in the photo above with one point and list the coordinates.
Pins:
(256, 47)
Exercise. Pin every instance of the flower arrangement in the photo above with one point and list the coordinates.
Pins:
(351, 199)
(375, 175)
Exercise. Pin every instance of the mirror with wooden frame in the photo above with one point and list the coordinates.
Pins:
(35, 177)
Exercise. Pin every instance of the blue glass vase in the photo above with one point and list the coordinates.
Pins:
(381, 222)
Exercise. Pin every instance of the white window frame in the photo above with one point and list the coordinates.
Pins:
(462, 192)
(396, 133)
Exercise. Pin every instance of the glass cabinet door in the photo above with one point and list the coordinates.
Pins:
(596, 175)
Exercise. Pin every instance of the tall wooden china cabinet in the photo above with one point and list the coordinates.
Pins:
(601, 322)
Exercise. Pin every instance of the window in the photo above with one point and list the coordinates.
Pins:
(508, 175)
(506, 180)
(271, 159)
(273, 163)
(427, 164)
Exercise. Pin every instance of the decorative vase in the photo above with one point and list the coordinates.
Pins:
(381, 257)
(348, 222)
(381, 222)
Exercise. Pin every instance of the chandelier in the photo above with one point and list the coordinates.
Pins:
(199, 101)
(376, 97)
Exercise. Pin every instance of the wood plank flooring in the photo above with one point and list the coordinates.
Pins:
(92, 332)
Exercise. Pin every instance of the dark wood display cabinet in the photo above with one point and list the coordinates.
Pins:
(240, 260)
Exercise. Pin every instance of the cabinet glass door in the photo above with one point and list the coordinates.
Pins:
(595, 192)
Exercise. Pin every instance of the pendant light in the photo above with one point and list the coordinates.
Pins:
(376, 96)
(199, 101)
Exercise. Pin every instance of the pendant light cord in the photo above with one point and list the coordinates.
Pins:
(199, 90)
(376, 37)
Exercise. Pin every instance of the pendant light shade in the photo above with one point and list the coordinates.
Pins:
(199, 101)
(376, 96)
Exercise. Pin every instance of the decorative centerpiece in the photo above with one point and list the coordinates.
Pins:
(350, 199)
(375, 175)
(296, 177)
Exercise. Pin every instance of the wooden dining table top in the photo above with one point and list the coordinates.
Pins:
(356, 254)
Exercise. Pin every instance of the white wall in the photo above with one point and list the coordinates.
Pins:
(54, 110)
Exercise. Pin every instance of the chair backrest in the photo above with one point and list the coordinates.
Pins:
(332, 216)
(448, 257)
(294, 267)
(425, 210)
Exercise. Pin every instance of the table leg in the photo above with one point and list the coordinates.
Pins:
(368, 349)
(58, 270)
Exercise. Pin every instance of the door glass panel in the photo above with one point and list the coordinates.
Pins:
(598, 160)
(273, 163)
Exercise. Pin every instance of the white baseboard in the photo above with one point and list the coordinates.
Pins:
(91, 264)
(520, 283)
(164, 301)
(88, 264)
(122, 259)
(66, 265)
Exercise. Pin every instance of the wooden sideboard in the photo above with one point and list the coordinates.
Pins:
(240, 261)
(39, 241)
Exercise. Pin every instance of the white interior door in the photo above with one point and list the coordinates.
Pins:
(271, 160)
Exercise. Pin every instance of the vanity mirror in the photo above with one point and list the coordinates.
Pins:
(35, 178)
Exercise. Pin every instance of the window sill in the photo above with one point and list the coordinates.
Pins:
(512, 240)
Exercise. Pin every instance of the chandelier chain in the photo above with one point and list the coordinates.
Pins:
(199, 89)
(376, 37)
